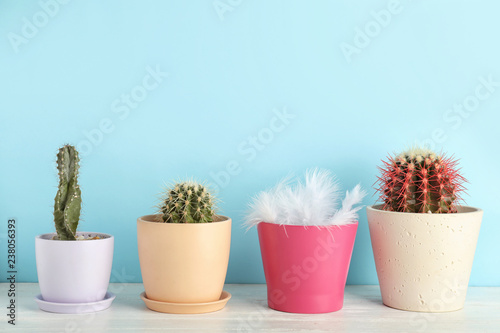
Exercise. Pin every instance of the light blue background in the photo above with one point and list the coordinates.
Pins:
(225, 77)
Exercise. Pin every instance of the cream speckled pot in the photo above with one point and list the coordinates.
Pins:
(424, 260)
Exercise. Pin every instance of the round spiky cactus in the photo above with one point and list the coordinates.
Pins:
(420, 181)
(188, 202)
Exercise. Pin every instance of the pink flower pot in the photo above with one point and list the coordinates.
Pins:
(306, 267)
(74, 271)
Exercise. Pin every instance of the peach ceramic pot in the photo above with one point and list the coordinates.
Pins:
(423, 260)
(183, 262)
(74, 271)
(306, 266)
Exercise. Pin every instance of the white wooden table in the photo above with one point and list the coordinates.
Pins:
(247, 311)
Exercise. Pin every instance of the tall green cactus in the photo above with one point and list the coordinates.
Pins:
(188, 202)
(68, 199)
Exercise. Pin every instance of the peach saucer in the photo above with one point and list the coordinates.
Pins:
(186, 308)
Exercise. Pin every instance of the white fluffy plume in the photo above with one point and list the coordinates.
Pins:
(313, 203)
(348, 213)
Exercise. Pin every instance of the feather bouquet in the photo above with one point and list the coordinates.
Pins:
(314, 202)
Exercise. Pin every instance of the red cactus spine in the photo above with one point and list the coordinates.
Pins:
(420, 181)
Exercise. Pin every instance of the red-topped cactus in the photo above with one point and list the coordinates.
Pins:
(420, 181)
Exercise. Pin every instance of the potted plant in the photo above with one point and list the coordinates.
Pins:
(423, 239)
(184, 252)
(306, 242)
(73, 267)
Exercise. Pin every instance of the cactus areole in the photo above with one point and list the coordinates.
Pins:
(420, 181)
(68, 199)
(188, 202)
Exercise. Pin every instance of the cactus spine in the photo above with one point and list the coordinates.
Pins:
(420, 181)
(188, 202)
(68, 198)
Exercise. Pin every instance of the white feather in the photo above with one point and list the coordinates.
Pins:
(347, 214)
(264, 206)
(314, 202)
(321, 196)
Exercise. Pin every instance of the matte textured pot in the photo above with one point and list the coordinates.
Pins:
(424, 261)
(183, 262)
(74, 271)
(306, 267)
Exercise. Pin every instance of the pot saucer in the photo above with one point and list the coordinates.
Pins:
(186, 308)
(72, 308)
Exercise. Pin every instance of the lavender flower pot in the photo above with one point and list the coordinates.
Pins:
(74, 271)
